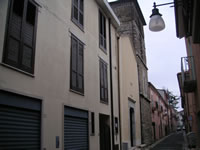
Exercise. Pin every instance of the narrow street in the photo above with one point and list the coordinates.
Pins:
(173, 142)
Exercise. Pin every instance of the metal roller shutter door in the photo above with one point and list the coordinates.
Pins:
(19, 122)
(75, 129)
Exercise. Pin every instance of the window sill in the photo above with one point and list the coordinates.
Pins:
(74, 91)
(16, 69)
(103, 49)
(104, 102)
(78, 24)
(92, 134)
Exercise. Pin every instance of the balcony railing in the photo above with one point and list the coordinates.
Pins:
(188, 74)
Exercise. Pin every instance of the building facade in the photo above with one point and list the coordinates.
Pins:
(164, 116)
(132, 22)
(187, 26)
(58, 79)
(160, 114)
(129, 95)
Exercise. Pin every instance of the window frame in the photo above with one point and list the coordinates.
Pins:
(105, 80)
(18, 66)
(74, 20)
(76, 88)
(102, 27)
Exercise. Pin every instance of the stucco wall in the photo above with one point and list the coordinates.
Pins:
(51, 80)
(129, 89)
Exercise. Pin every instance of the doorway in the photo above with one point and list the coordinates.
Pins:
(104, 126)
(132, 126)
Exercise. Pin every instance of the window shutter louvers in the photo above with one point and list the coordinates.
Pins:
(77, 77)
(103, 81)
(20, 44)
(102, 30)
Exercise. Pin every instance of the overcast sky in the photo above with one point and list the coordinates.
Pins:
(163, 49)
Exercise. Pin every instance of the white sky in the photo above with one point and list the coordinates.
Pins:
(163, 49)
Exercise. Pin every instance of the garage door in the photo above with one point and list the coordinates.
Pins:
(19, 122)
(75, 129)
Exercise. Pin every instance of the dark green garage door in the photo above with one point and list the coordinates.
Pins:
(19, 122)
(75, 129)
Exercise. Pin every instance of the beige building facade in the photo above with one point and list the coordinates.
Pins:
(132, 22)
(129, 94)
(55, 75)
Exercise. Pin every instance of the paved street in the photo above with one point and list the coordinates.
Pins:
(173, 142)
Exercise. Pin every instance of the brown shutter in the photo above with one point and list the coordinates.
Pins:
(105, 82)
(12, 48)
(27, 57)
(20, 43)
(77, 72)
(101, 81)
(80, 67)
(74, 47)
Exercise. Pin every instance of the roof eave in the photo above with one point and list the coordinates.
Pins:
(109, 12)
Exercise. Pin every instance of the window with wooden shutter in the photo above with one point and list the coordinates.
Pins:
(19, 49)
(103, 81)
(102, 31)
(77, 12)
(77, 72)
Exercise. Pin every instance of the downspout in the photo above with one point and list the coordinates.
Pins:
(141, 129)
(140, 99)
(111, 86)
(119, 95)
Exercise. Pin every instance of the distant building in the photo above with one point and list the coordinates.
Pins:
(171, 110)
(159, 114)
(164, 116)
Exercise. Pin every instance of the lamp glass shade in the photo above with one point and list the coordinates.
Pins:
(156, 23)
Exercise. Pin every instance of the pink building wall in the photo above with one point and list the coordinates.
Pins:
(159, 114)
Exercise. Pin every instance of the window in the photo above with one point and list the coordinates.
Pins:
(103, 81)
(19, 50)
(92, 123)
(77, 75)
(77, 12)
(102, 31)
(157, 105)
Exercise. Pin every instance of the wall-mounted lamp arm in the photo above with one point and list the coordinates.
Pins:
(162, 4)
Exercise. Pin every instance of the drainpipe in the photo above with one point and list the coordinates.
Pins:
(119, 96)
(140, 100)
(111, 87)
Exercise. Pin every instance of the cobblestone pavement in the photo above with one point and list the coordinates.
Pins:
(173, 142)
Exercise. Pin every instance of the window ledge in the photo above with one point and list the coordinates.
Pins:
(92, 134)
(104, 102)
(78, 24)
(16, 69)
(74, 91)
(103, 49)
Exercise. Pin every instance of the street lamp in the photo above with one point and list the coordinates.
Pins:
(156, 23)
